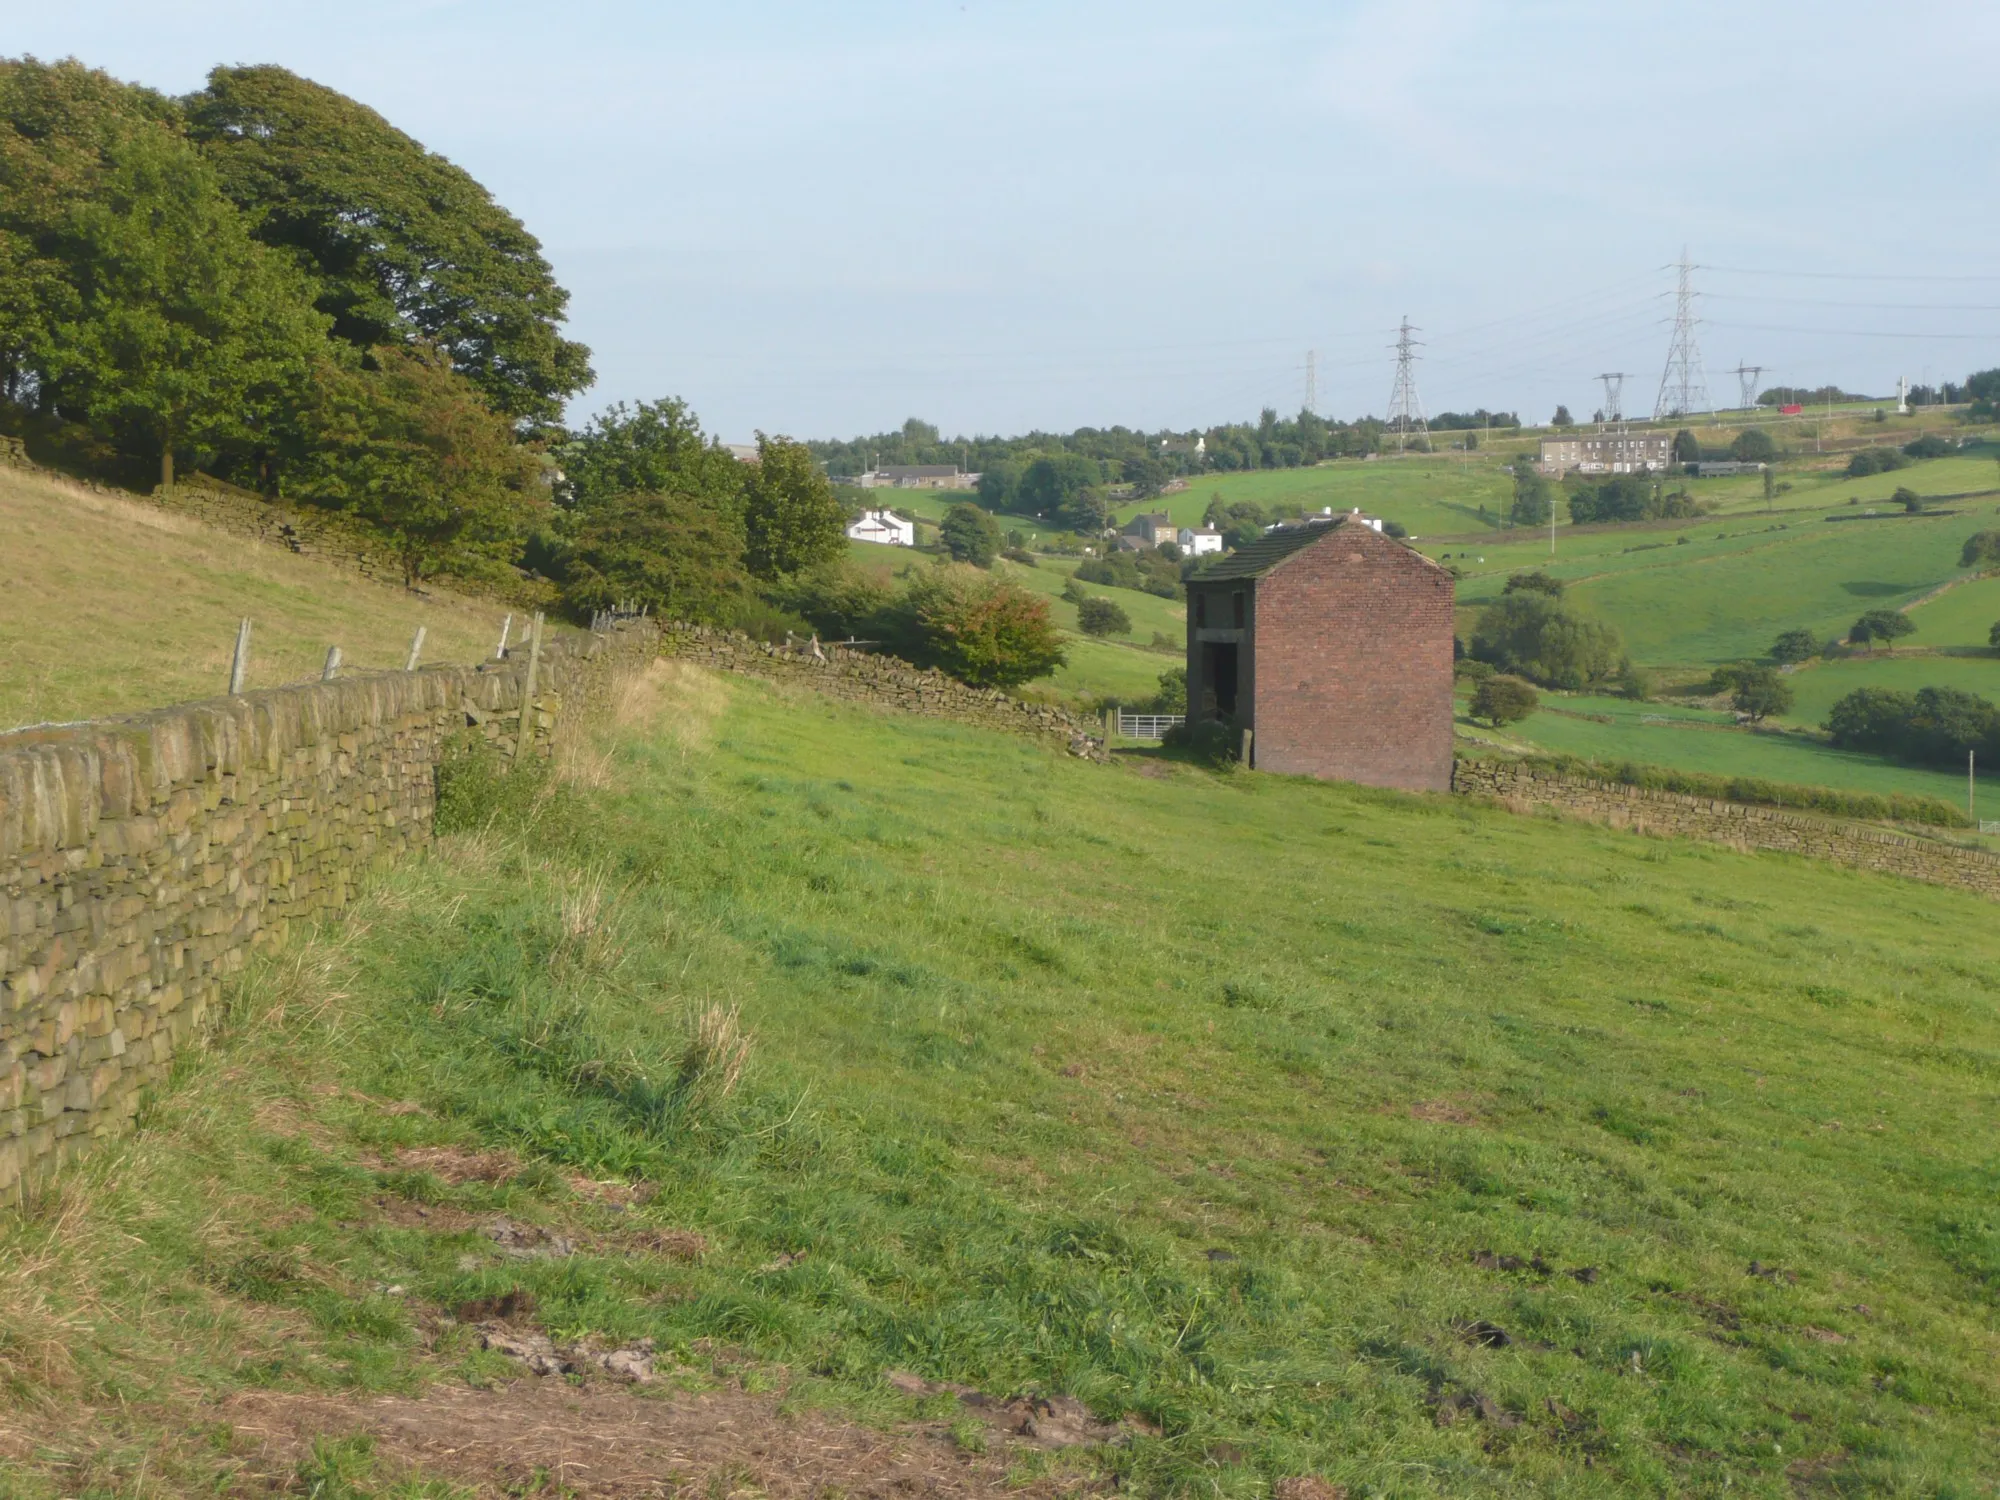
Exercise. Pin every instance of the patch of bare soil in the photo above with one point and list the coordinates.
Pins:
(593, 1441)
(455, 1165)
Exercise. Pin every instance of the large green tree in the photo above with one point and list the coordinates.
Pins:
(132, 296)
(981, 629)
(792, 520)
(401, 244)
(1546, 640)
(409, 445)
(679, 554)
(656, 447)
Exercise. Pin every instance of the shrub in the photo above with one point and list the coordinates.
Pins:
(1993, 634)
(1472, 671)
(1929, 445)
(1753, 445)
(1794, 646)
(1538, 637)
(1908, 498)
(1501, 700)
(1213, 742)
(983, 630)
(1875, 461)
(1097, 616)
(477, 787)
(1022, 556)
(1536, 582)
(1981, 549)
(1172, 695)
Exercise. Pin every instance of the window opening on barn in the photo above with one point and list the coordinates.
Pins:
(1236, 604)
(1200, 609)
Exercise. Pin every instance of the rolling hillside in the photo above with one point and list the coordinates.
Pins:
(110, 605)
(1302, 1129)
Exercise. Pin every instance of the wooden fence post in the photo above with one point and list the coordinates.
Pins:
(524, 741)
(506, 629)
(239, 665)
(332, 667)
(416, 650)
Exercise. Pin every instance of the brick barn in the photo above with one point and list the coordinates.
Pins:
(1333, 644)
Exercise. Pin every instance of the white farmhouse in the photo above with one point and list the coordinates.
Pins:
(1199, 541)
(885, 527)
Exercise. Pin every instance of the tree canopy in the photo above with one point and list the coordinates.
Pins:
(401, 245)
(791, 518)
(970, 535)
(1538, 636)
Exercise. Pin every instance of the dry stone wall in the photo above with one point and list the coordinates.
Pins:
(143, 859)
(862, 676)
(1736, 824)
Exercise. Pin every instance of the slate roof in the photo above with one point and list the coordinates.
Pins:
(1254, 559)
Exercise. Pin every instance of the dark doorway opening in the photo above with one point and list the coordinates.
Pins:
(1218, 675)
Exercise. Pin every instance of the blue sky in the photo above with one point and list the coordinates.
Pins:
(819, 220)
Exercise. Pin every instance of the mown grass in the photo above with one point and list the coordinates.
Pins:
(111, 605)
(1197, 1097)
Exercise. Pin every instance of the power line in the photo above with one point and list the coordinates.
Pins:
(1842, 302)
(1404, 405)
(1859, 333)
(1848, 275)
(1683, 386)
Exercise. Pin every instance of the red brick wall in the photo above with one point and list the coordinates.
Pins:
(1353, 663)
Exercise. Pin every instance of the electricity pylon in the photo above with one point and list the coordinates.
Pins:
(1405, 409)
(1746, 378)
(1683, 385)
(1614, 395)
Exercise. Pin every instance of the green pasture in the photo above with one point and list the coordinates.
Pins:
(1961, 616)
(1414, 1145)
(1614, 729)
(1426, 495)
(1818, 687)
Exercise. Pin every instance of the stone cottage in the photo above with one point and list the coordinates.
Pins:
(1332, 643)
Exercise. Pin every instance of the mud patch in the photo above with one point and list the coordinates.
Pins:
(597, 1441)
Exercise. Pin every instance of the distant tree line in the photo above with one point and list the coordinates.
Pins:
(1040, 473)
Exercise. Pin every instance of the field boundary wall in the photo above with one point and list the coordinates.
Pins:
(144, 858)
(1739, 825)
(886, 681)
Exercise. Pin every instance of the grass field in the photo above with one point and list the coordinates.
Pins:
(110, 605)
(1817, 688)
(1424, 495)
(1615, 729)
(1429, 1149)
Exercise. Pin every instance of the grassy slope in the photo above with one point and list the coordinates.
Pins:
(1426, 495)
(109, 605)
(1561, 726)
(1110, 667)
(1206, 1118)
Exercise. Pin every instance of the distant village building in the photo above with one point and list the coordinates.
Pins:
(1199, 541)
(1332, 643)
(1150, 531)
(744, 453)
(917, 477)
(884, 527)
(1608, 452)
